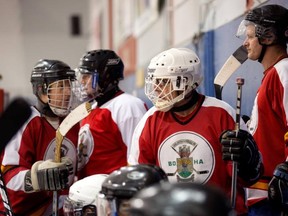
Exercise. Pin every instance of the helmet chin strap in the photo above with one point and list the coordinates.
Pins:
(45, 109)
(108, 95)
(264, 47)
(193, 98)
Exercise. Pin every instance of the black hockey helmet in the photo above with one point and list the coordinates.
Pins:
(124, 183)
(181, 199)
(106, 63)
(270, 21)
(47, 71)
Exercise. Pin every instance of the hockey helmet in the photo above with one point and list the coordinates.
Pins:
(99, 71)
(83, 196)
(124, 183)
(270, 22)
(171, 76)
(181, 199)
(55, 79)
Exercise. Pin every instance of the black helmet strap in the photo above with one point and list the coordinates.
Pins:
(263, 51)
(108, 95)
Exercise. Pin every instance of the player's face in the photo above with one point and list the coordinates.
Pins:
(123, 208)
(164, 89)
(252, 43)
(86, 84)
(59, 93)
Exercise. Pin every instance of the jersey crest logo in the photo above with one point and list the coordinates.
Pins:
(187, 158)
(85, 146)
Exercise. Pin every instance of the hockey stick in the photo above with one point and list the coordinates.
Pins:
(240, 83)
(11, 120)
(229, 67)
(75, 116)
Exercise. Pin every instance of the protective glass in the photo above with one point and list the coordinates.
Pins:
(248, 29)
(164, 92)
(61, 97)
(72, 208)
(88, 83)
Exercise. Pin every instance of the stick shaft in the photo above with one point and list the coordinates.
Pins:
(4, 196)
(239, 82)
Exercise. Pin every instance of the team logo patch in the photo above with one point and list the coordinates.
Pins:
(135, 175)
(187, 157)
(85, 146)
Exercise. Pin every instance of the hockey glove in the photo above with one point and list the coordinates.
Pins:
(278, 187)
(49, 175)
(239, 146)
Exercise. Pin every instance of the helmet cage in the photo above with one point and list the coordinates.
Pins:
(171, 76)
(60, 96)
(160, 90)
(73, 208)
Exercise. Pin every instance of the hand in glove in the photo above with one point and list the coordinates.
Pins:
(278, 187)
(239, 146)
(49, 175)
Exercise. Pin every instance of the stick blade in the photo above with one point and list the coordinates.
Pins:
(230, 66)
(75, 116)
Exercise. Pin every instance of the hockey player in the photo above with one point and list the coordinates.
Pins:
(106, 133)
(83, 197)
(27, 167)
(181, 199)
(122, 184)
(181, 132)
(265, 30)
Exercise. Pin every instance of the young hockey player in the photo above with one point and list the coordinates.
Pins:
(122, 184)
(29, 173)
(265, 30)
(181, 199)
(181, 132)
(105, 135)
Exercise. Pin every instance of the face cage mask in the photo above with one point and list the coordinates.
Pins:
(61, 97)
(160, 91)
(88, 85)
(73, 208)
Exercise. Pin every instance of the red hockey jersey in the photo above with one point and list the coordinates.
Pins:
(268, 124)
(188, 149)
(34, 141)
(106, 134)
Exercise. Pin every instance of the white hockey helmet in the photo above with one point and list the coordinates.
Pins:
(172, 75)
(83, 196)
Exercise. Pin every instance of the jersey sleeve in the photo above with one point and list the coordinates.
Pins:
(134, 153)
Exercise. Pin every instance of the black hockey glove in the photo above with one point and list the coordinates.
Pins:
(278, 187)
(239, 146)
(49, 175)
